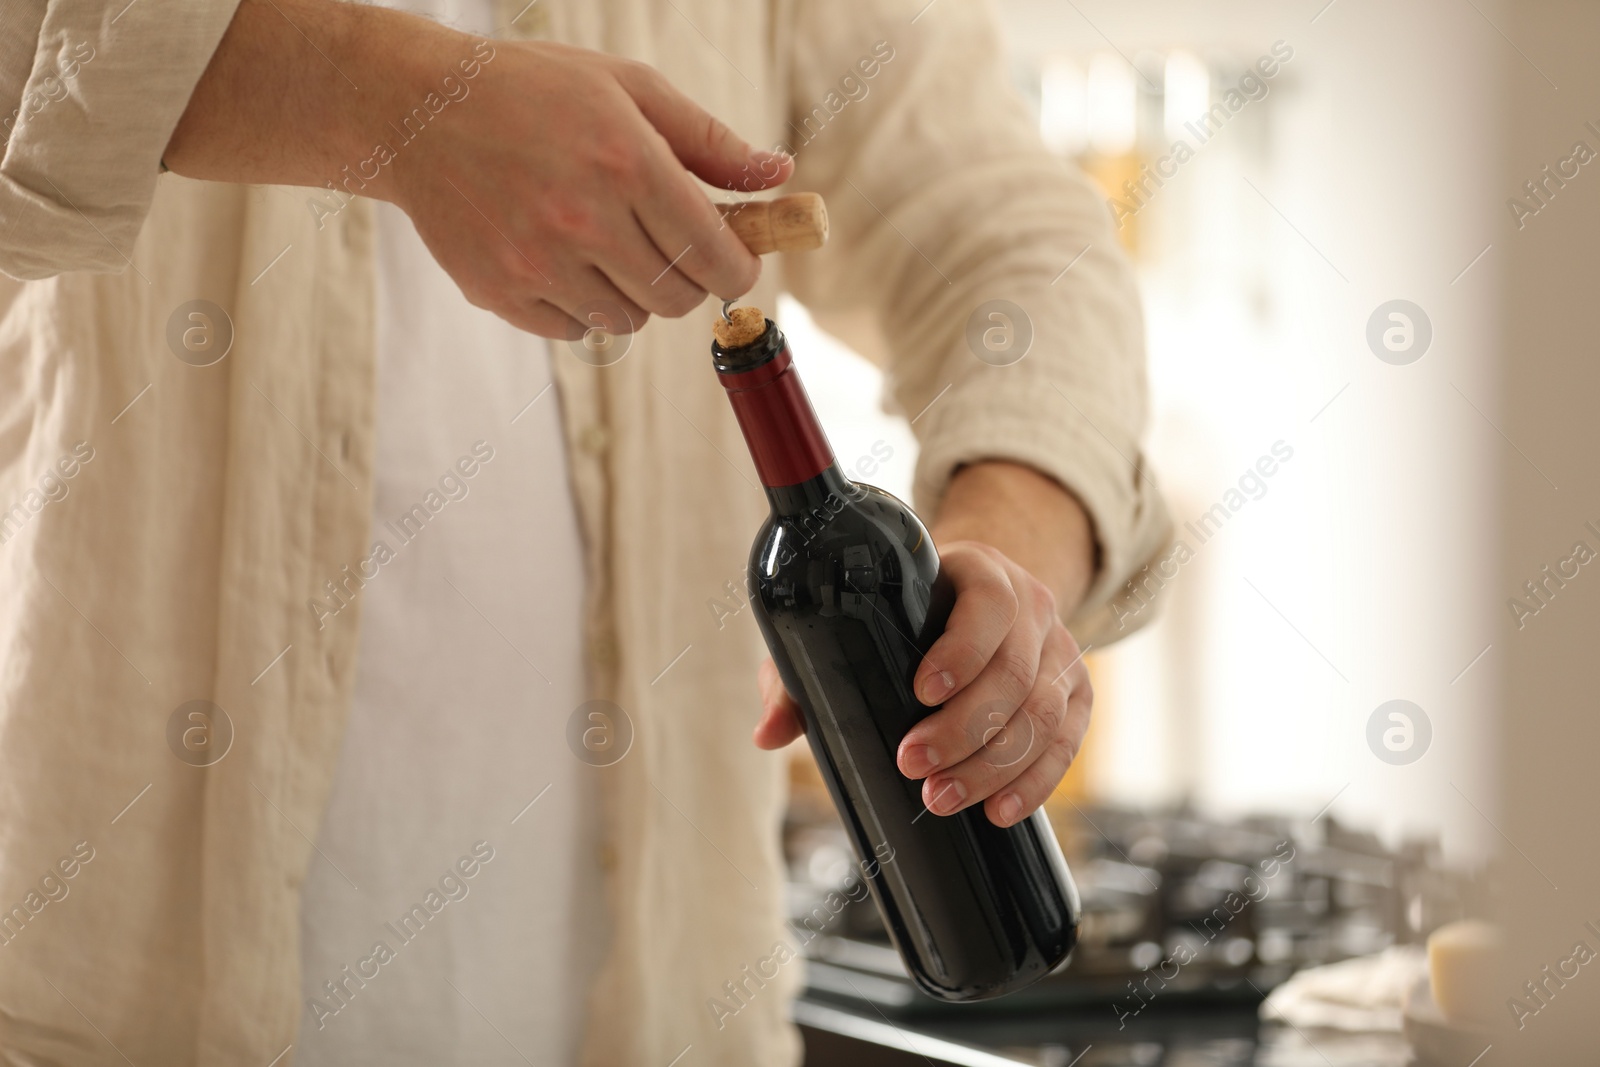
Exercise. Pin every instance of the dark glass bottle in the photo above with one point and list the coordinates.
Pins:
(848, 594)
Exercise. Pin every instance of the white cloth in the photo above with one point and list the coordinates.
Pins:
(1363, 993)
(470, 664)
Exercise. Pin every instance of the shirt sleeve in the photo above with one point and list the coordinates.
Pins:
(978, 268)
(88, 113)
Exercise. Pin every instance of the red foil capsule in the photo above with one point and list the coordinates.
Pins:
(786, 441)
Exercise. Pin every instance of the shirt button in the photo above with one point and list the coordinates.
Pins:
(594, 439)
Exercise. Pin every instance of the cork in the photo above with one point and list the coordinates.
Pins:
(743, 326)
(794, 223)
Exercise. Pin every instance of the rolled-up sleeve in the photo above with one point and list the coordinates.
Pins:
(88, 112)
(944, 200)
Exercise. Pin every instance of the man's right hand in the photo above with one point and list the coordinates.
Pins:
(562, 179)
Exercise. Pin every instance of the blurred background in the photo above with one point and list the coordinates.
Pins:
(1316, 198)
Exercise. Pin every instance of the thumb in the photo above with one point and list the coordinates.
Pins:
(705, 146)
(781, 719)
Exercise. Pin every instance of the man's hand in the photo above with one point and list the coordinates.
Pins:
(1011, 678)
(551, 179)
(567, 184)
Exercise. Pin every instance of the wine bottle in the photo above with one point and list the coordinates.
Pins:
(847, 590)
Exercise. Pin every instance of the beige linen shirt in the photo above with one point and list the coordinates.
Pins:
(164, 527)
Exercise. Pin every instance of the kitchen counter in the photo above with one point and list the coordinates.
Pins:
(1226, 1034)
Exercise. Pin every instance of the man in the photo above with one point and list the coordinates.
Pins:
(361, 556)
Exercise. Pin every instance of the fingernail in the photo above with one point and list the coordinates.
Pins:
(918, 761)
(947, 796)
(937, 686)
(1009, 809)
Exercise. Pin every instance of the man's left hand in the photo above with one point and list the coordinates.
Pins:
(1015, 693)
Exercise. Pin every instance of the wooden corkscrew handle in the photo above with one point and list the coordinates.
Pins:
(794, 223)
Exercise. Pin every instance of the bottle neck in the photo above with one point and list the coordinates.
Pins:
(828, 490)
(791, 453)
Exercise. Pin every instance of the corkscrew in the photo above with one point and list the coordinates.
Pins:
(794, 223)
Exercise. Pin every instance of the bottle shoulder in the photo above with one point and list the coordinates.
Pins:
(860, 553)
(866, 518)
